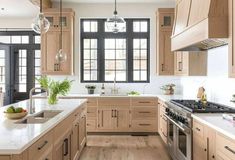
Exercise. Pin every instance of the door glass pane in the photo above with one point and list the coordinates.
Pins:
(167, 20)
(2, 70)
(182, 142)
(22, 74)
(5, 39)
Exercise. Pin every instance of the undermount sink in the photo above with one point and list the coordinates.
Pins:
(114, 95)
(40, 117)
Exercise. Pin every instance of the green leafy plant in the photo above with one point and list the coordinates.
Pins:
(55, 88)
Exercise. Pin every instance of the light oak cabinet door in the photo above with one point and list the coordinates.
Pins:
(106, 118)
(50, 43)
(165, 56)
(62, 150)
(122, 119)
(204, 142)
(82, 132)
(181, 17)
(75, 139)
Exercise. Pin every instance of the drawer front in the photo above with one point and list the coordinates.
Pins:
(144, 113)
(114, 102)
(5, 158)
(39, 148)
(144, 102)
(198, 129)
(91, 125)
(91, 112)
(91, 101)
(144, 125)
(225, 146)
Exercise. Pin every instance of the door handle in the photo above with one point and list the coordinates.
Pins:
(66, 147)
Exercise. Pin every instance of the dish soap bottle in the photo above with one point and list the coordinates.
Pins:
(102, 89)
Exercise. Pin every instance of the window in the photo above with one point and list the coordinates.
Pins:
(106, 56)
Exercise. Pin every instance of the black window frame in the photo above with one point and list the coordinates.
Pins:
(101, 35)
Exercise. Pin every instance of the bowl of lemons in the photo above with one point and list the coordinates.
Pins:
(15, 113)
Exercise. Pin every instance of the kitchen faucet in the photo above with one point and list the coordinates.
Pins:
(114, 90)
(31, 105)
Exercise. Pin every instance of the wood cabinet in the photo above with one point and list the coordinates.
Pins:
(50, 43)
(231, 45)
(190, 63)
(162, 121)
(63, 142)
(203, 142)
(165, 58)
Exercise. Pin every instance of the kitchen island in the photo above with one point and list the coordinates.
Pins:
(63, 135)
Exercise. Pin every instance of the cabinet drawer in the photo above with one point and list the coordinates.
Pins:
(144, 102)
(39, 148)
(114, 102)
(5, 158)
(91, 125)
(91, 101)
(91, 112)
(144, 126)
(225, 146)
(198, 129)
(144, 113)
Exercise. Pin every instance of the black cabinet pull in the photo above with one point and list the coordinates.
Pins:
(198, 129)
(229, 149)
(40, 147)
(144, 124)
(66, 147)
(144, 112)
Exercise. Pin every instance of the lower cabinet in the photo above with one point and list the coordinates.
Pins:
(64, 142)
(62, 150)
(204, 143)
(162, 126)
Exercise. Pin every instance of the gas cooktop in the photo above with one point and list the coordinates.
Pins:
(199, 107)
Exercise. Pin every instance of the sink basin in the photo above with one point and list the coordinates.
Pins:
(40, 117)
(114, 95)
(47, 113)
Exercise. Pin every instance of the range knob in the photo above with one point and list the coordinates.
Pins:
(167, 110)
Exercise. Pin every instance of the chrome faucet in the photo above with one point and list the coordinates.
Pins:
(31, 105)
(114, 90)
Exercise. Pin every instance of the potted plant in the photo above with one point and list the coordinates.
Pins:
(90, 89)
(55, 88)
(168, 89)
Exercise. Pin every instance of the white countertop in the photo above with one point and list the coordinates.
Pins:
(217, 122)
(15, 138)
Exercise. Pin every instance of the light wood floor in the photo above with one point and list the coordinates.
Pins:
(124, 148)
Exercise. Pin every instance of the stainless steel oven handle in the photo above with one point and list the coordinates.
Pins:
(186, 130)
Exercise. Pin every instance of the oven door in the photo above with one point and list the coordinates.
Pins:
(170, 136)
(183, 144)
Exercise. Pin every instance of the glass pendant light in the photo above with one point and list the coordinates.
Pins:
(116, 24)
(40, 23)
(61, 56)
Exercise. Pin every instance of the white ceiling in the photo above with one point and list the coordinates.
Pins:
(118, 1)
(24, 8)
(17, 8)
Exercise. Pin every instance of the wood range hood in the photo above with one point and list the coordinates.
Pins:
(200, 25)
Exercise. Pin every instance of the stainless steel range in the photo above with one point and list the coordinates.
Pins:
(179, 122)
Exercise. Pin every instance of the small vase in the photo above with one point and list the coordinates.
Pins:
(52, 99)
(91, 91)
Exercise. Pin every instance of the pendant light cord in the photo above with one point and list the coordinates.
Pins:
(61, 24)
(115, 8)
(40, 6)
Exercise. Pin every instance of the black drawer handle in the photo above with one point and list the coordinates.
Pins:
(144, 112)
(198, 129)
(144, 124)
(144, 102)
(66, 147)
(40, 147)
(229, 149)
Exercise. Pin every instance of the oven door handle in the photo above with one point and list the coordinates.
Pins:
(186, 130)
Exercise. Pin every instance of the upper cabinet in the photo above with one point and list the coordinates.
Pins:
(190, 63)
(200, 25)
(165, 58)
(50, 42)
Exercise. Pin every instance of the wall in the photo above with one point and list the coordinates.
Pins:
(219, 87)
(145, 10)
